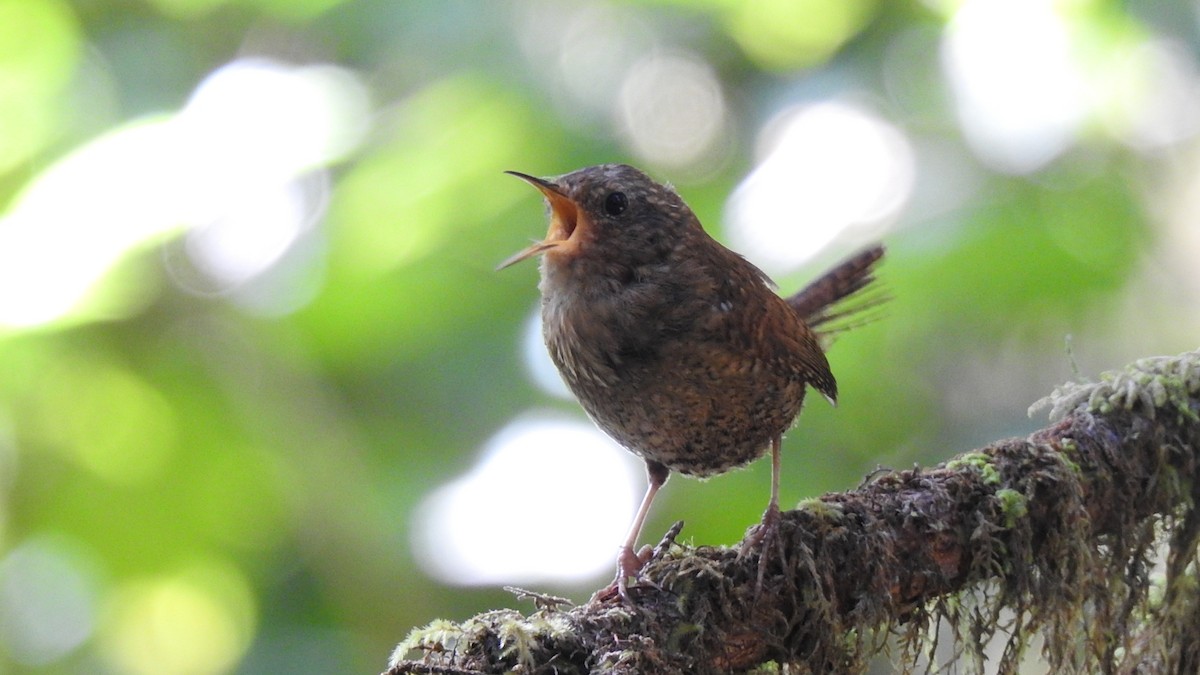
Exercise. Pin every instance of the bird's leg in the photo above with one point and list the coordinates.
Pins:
(629, 562)
(767, 531)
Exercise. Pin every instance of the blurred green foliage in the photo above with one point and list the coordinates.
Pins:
(223, 481)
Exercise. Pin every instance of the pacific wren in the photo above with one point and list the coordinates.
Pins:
(676, 346)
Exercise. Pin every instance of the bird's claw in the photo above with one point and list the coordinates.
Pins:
(629, 565)
(761, 537)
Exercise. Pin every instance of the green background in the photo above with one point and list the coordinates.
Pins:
(227, 478)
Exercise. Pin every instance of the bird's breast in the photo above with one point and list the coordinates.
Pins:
(674, 381)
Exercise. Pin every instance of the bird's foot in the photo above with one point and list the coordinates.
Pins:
(629, 565)
(761, 537)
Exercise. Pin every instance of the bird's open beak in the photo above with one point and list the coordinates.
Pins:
(564, 219)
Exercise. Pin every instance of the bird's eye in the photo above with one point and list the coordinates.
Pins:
(616, 203)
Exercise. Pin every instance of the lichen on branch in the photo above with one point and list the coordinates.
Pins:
(1062, 534)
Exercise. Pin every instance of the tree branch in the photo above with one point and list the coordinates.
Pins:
(1057, 534)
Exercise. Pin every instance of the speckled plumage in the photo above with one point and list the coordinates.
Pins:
(675, 346)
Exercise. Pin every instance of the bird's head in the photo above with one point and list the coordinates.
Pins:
(608, 212)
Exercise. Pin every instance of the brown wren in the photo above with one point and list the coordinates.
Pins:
(677, 347)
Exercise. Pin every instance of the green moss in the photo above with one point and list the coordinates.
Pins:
(1059, 535)
(820, 508)
(1151, 386)
(977, 461)
(1013, 505)
(517, 639)
(441, 635)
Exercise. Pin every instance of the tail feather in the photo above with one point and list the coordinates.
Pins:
(820, 303)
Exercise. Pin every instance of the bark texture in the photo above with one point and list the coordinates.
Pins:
(1085, 533)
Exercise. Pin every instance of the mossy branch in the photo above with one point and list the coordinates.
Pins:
(1085, 533)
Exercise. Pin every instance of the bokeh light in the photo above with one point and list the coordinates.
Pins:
(795, 33)
(120, 427)
(49, 594)
(227, 161)
(40, 46)
(537, 360)
(233, 250)
(200, 620)
(1020, 89)
(549, 500)
(672, 112)
(824, 169)
(1154, 95)
(249, 318)
(583, 50)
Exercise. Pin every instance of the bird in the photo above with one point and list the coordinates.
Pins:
(674, 345)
